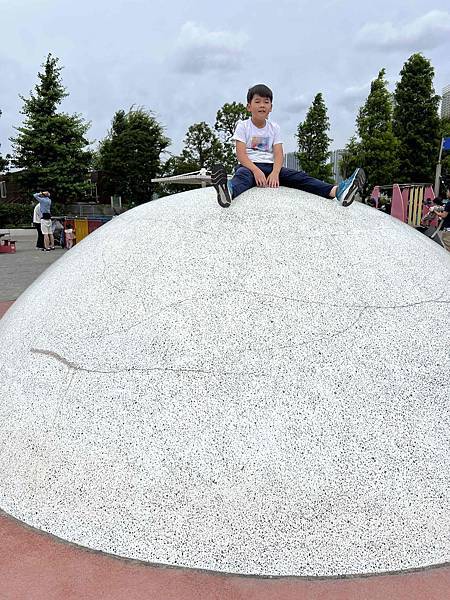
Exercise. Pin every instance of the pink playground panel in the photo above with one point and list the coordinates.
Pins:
(399, 203)
(408, 202)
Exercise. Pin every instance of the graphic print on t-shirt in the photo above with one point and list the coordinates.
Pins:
(260, 143)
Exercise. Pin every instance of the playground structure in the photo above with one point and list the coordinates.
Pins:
(410, 202)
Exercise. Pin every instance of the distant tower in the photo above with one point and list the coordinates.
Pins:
(291, 161)
(445, 105)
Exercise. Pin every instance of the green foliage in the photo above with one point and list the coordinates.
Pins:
(130, 154)
(202, 147)
(14, 214)
(445, 163)
(226, 120)
(177, 165)
(351, 158)
(51, 147)
(378, 148)
(313, 141)
(416, 121)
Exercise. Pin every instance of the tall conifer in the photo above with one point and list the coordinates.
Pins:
(51, 147)
(416, 121)
(313, 141)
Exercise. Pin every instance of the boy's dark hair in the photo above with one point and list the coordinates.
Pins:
(261, 90)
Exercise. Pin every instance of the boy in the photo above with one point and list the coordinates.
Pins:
(259, 150)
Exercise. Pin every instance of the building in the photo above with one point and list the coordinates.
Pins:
(291, 161)
(445, 103)
(335, 159)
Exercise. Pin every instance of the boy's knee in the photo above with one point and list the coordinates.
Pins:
(244, 173)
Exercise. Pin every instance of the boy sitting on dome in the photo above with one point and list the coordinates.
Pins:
(259, 150)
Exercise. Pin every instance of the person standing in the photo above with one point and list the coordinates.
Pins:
(37, 225)
(45, 204)
(445, 216)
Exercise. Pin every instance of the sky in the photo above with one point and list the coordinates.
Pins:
(184, 60)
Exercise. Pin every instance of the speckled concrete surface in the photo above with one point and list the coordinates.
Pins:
(255, 390)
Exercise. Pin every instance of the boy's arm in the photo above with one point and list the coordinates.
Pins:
(278, 156)
(243, 159)
(273, 178)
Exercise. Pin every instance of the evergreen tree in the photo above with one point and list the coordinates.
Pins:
(130, 154)
(416, 121)
(351, 158)
(378, 148)
(226, 120)
(313, 141)
(51, 147)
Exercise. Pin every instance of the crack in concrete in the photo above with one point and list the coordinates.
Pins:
(79, 368)
(332, 305)
(330, 335)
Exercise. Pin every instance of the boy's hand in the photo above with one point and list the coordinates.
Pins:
(273, 180)
(260, 178)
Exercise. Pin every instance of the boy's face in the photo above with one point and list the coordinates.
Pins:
(260, 107)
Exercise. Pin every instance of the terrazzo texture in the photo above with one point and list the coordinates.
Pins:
(257, 390)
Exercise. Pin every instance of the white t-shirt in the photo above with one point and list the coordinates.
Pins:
(37, 214)
(259, 142)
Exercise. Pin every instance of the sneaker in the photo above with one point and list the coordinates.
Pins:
(219, 180)
(347, 190)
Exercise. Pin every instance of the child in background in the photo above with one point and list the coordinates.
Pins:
(69, 236)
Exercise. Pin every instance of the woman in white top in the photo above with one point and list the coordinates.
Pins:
(37, 225)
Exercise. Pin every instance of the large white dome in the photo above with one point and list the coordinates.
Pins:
(262, 389)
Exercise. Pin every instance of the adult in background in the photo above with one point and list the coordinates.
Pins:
(445, 216)
(37, 225)
(45, 204)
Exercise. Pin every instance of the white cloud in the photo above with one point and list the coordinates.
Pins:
(426, 32)
(199, 50)
(297, 104)
(353, 96)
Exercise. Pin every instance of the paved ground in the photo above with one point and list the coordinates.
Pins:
(37, 566)
(19, 270)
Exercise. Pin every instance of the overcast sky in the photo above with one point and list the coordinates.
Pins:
(184, 60)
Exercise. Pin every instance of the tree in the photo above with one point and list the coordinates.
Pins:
(351, 158)
(202, 147)
(131, 154)
(226, 120)
(378, 148)
(416, 121)
(313, 141)
(177, 165)
(445, 165)
(51, 147)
